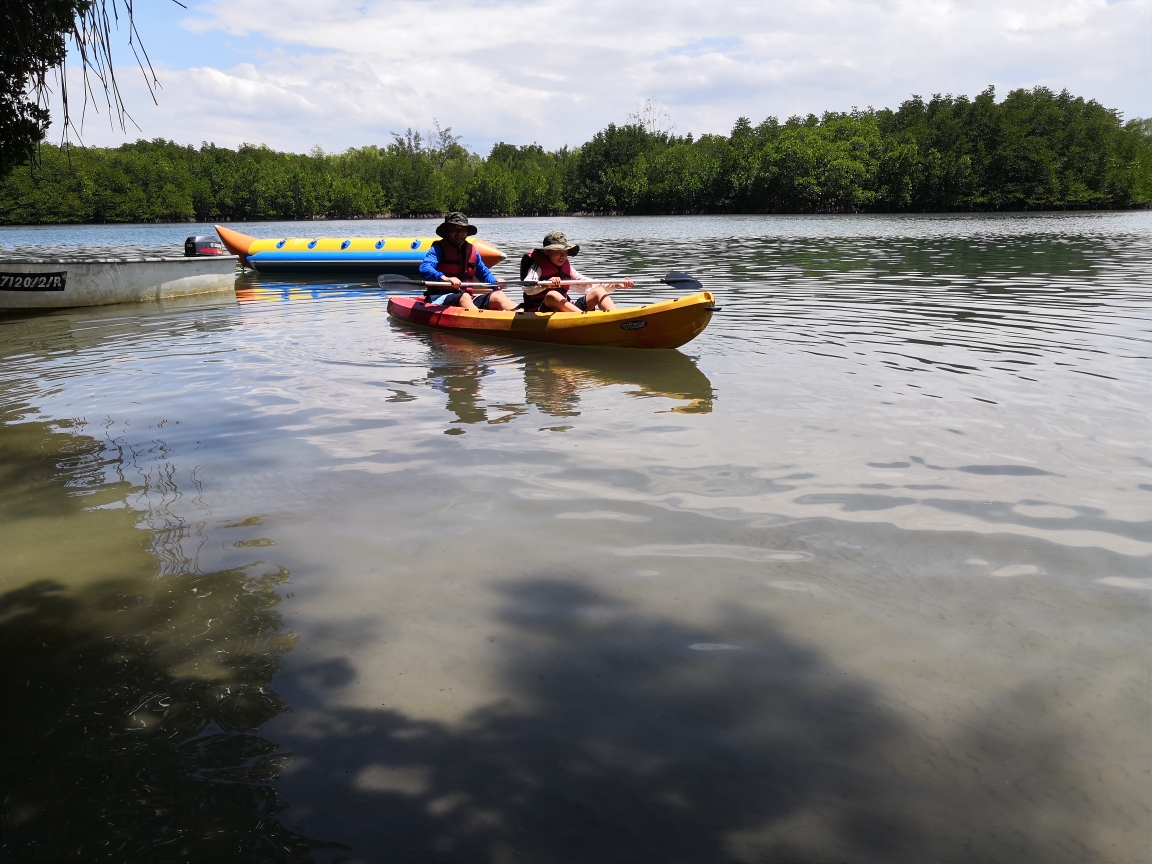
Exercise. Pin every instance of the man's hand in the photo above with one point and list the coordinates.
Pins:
(454, 282)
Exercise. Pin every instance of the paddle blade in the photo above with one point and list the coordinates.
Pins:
(386, 280)
(682, 280)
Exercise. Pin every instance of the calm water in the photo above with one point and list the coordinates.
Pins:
(862, 574)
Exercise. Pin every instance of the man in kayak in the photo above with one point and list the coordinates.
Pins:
(550, 262)
(453, 259)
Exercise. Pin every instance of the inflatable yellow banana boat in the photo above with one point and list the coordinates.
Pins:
(342, 255)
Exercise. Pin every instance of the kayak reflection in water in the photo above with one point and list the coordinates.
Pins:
(554, 381)
(556, 378)
(458, 376)
(550, 262)
(453, 259)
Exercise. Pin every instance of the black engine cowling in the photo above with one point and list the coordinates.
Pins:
(205, 245)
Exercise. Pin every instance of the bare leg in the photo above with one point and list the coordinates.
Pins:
(599, 298)
(498, 301)
(466, 302)
(555, 301)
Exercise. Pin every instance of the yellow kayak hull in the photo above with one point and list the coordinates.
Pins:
(667, 324)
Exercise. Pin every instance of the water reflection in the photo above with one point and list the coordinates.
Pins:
(133, 702)
(611, 750)
(833, 620)
(554, 381)
(555, 378)
(625, 735)
(253, 287)
(456, 368)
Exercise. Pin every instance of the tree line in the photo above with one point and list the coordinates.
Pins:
(1034, 150)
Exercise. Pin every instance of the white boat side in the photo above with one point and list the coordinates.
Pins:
(64, 282)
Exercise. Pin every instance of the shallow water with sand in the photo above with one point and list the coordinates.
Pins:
(861, 574)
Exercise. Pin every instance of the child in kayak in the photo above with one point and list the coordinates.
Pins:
(550, 262)
(453, 259)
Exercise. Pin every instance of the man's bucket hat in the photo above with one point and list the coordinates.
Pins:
(455, 218)
(555, 241)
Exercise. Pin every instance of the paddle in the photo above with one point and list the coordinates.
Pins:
(387, 280)
(675, 279)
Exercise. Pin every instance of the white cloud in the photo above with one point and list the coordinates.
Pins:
(555, 71)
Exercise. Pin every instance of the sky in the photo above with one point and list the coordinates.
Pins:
(297, 74)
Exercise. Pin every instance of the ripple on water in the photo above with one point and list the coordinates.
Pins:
(902, 507)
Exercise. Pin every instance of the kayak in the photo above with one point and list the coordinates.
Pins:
(667, 324)
(352, 255)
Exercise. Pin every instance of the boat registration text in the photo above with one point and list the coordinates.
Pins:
(33, 281)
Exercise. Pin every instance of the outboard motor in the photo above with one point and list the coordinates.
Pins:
(205, 245)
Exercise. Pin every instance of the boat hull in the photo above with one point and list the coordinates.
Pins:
(363, 256)
(65, 283)
(668, 324)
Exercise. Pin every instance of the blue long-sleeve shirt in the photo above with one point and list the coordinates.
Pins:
(430, 268)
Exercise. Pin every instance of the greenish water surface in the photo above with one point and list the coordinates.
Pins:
(861, 574)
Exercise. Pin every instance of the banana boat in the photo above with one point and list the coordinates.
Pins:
(341, 255)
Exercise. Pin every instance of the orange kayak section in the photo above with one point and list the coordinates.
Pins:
(667, 324)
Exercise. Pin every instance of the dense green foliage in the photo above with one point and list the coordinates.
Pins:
(1034, 150)
(33, 43)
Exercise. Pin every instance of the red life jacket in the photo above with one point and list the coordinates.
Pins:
(453, 263)
(532, 302)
